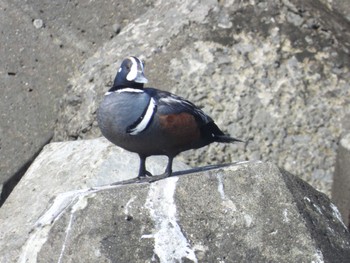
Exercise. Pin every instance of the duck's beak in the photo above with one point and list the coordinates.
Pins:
(140, 78)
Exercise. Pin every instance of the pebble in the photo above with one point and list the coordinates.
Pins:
(116, 28)
(38, 23)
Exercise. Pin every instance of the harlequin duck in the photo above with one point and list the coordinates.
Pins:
(149, 122)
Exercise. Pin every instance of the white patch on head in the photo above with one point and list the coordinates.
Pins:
(151, 108)
(120, 69)
(133, 70)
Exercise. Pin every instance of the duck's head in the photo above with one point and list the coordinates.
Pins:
(130, 74)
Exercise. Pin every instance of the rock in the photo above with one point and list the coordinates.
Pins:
(62, 170)
(38, 23)
(340, 6)
(276, 72)
(31, 84)
(341, 182)
(247, 212)
(43, 43)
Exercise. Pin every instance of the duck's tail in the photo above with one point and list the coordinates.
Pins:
(214, 132)
(226, 139)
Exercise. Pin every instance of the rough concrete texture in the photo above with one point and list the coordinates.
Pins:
(274, 71)
(42, 45)
(251, 212)
(62, 171)
(30, 84)
(341, 183)
(338, 6)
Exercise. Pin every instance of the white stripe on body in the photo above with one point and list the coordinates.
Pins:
(124, 90)
(151, 108)
(177, 100)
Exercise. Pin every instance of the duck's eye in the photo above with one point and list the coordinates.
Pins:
(129, 65)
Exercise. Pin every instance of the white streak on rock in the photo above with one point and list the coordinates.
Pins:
(248, 220)
(285, 216)
(126, 210)
(221, 187)
(318, 209)
(273, 232)
(318, 257)
(227, 203)
(170, 243)
(337, 214)
(68, 229)
(307, 199)
(79, 205)
(61, 201)
(33, 245)
(42, 227)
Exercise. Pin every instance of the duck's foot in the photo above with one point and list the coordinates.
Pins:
(144, 174)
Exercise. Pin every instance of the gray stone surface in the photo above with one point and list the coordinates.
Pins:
(341, 182)
(43, 43)
(30, 84)
(248, 212)
(62, 171)
(279, 64)
(342, 7)
(273, 71)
